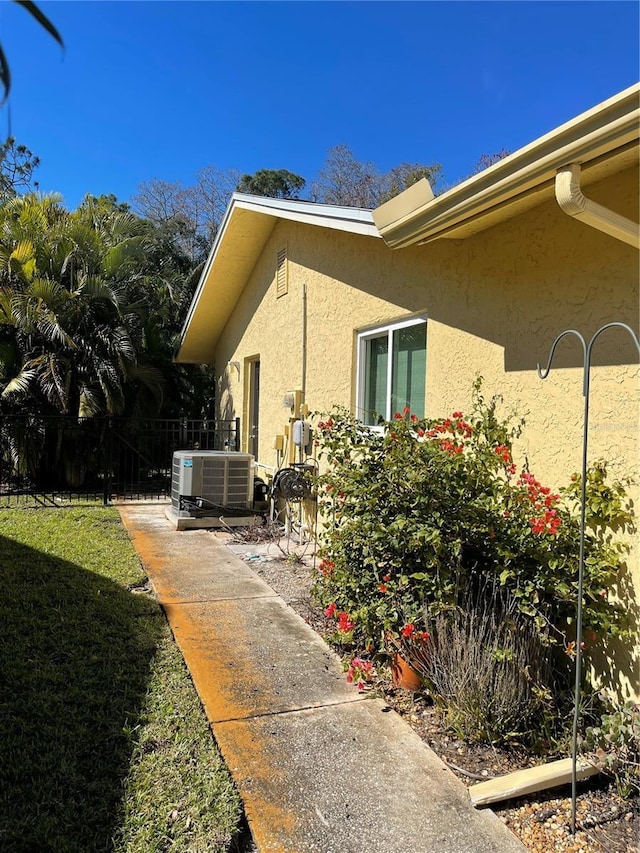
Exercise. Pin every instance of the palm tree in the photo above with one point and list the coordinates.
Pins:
(68, 330)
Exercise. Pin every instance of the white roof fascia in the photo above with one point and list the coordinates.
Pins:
(357, 220)
(205, 272)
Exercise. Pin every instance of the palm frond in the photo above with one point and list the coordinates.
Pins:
(5, 75)
(51, 330)
(116, 258)
(42, 19)
(95, 288)
(20, 385)
(151, 378)
(89, 404)
(111, 386)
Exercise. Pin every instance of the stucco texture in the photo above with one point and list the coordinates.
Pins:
(494, 303)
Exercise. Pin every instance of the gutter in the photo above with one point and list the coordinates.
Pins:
(415, 216)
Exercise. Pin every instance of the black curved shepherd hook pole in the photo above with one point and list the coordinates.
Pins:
(542, 374)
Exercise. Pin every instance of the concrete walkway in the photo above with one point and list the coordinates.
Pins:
(320, 767)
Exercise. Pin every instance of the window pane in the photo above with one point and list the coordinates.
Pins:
(409, 369)
(375, 379)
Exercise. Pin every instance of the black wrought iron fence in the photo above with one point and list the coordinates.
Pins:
(60, 460)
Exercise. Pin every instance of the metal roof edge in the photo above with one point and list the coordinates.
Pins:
(357, 219)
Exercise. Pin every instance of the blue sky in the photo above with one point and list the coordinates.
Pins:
(161, 89)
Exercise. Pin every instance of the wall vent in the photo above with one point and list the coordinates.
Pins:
(282, 278)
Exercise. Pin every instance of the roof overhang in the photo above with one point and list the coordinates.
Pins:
(245, 229)
(602, 141)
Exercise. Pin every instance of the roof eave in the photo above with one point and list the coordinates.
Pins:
(415, 216)
(207, 316)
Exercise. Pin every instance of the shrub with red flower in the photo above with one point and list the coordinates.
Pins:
(345, 623)
(429, 504)
(409, 632)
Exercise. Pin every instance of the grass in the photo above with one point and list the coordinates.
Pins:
(104, 745)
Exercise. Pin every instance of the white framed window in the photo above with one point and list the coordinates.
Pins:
(391, 370)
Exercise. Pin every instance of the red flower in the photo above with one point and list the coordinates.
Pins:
(457, 415)
(406, 410)
(398, 416)
(330, 610)
(344, 622)
(414, 419)
(570, 648)
(386, 577)
(408, 630)
(327, 567)
(451, 447)
(503, 452)
(382, 587)
(547, 523)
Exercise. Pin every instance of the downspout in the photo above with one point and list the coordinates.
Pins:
(573, 202)
(303, 378)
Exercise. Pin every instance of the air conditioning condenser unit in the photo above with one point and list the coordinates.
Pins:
(210, 488)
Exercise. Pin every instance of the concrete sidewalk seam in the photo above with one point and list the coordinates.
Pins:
(297, 710)
(173, 603)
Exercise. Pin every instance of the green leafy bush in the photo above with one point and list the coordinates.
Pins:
(615, 745)
(423, 509)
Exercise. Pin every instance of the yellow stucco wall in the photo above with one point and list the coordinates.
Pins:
(494, 303)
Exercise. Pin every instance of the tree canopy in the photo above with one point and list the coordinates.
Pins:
(346, 181)
(275, 183)
(91, 306)
(17, 165)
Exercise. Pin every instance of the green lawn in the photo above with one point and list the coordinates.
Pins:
(104, 745)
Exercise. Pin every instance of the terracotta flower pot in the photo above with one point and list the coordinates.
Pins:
(403, 675)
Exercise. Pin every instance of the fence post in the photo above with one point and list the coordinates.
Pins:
(106, 474)
(237, 442)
